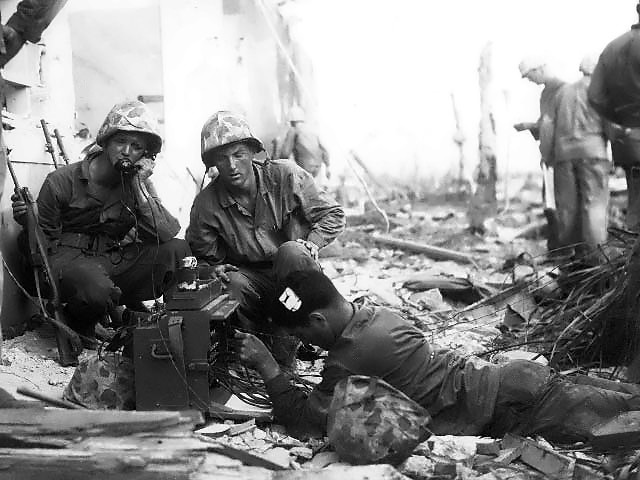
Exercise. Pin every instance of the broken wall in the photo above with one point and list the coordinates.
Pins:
(39, 85)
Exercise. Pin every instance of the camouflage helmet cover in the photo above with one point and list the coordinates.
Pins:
(369, 421)
(224, 128)
(132, 116)
(530, 63)
(106, 382)
(588, 64)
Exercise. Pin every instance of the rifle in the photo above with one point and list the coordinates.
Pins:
(63, 151)
(48, 144)
(68, 341)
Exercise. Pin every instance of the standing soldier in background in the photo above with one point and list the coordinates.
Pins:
(536, 71)
(303, 142)
(581, 168)
(615, 94)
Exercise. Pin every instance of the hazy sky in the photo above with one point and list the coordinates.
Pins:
(385, 70)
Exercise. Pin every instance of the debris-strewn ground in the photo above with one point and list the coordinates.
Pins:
(364, 270)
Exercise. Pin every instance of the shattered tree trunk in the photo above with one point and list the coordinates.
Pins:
(483, 202)
(459, 139)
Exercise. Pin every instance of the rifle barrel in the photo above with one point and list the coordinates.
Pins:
(13, 174)
(47, 139)
(63, 151)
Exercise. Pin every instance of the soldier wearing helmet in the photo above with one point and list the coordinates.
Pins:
(581, 168)
(303, 143)
(86, 209)
(615, 94)
(536, 70)
(257, 220)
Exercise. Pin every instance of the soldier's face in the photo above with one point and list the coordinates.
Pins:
(317, 331)
(234, 162)
(126, 146)
(537, 76)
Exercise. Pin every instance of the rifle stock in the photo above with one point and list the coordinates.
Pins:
(69, 344)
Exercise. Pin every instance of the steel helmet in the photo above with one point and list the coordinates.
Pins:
(296, 114)
(530, 63)
(224, 128)
(588, 64)
(132, 116)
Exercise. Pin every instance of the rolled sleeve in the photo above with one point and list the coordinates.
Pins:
(325, 215)
(202, 236)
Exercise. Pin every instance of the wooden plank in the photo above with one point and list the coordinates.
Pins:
(21, 422)
(621, 431)
(36, 464)
(365, 472)
(245, 457)
(242, 427)
(222, 412)
(430, 251)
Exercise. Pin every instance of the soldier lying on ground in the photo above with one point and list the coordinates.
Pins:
(462, 396)
(86, 209)
(257, 221)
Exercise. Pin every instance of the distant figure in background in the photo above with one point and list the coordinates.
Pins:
(303, 142)
(615, 94)
(536, 71)
(581, 167)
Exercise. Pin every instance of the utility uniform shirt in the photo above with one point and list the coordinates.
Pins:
(544, 132)
(578, 131)
(288, 207)
(615, 84)
(73, 213)
(308, 151)
(459, 394)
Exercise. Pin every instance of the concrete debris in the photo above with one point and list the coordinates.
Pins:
(453, 301)
(507, 356)
(622, 431)
(303, 453)
(322, 459)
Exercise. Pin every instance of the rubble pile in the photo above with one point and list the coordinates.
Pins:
(481, 300)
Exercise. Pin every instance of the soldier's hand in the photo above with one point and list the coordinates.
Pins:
(221, 271)
(311, 247)
(253, 353)
(19, 209)
(519, 127)
(11, 43)
(145, 168)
